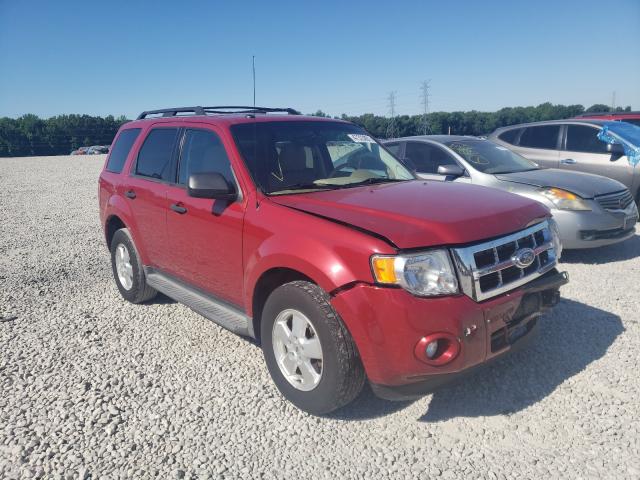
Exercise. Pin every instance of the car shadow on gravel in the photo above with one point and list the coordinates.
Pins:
(568, 339)
(612, 253)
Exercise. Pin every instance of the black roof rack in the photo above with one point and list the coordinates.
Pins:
(172, 112)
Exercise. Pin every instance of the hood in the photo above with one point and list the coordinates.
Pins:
(420, 213)
(585, 185)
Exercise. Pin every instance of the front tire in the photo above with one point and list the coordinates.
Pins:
(309, 352)
(127, 269)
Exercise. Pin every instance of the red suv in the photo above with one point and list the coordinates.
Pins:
(308, 235)
(629, 117)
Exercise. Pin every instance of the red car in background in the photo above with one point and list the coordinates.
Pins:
(630, 117)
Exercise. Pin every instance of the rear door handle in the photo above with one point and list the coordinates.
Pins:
(130, 194)
(568, 161)
(178, 209)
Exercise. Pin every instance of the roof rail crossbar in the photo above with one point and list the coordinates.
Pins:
(245, 109)
(172, 112)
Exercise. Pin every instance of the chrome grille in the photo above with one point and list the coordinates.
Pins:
(488, 269)
(615, 201)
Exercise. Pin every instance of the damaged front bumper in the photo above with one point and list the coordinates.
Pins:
(388, 323)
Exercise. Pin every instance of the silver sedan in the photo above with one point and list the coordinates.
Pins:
(590, 210)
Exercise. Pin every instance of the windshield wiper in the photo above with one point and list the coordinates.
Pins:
(304, 186)
(372, 180)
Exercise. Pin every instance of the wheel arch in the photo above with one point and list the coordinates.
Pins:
(265, 285)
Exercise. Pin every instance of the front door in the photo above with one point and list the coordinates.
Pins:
(427, 157)
(205, 236)
(584, 152)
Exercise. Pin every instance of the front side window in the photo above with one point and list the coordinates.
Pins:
(394, 148)
(203, 152)
(582, 138)
(121, 149)
(488, 157)
(426, 157)
(156, 154)
(284, 156)
(543, 136)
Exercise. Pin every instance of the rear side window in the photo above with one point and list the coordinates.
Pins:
(203, 152)
(581, 138)
(121, 149)
(545, 136)
(154, 159)
(509, 136)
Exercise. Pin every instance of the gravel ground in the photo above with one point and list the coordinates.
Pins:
(94, 387)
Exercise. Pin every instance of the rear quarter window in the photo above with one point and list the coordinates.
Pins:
(510, 136)
(121, 149)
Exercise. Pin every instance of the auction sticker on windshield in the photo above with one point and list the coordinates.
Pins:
(360, 138)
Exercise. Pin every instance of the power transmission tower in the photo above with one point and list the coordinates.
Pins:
(392, 131)
(426, 128)
(613, 101)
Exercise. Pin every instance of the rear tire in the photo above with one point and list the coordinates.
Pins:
(127, 269)
(338, 377)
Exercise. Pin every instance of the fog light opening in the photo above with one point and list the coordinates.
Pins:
(432, 349)
(437, 348)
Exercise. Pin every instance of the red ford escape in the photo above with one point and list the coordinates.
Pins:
(306, 234)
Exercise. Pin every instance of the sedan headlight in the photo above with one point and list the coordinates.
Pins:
(564, 200)
(555, 237)
(424, 274)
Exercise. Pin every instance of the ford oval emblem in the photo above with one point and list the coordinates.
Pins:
(523, 257)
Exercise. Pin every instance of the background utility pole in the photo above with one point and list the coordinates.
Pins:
(253, 66)
(392, 131)
(613, 101)
(426, 128)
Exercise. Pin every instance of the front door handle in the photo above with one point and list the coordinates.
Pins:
(130, 194)
(178, 209)
(568, 161)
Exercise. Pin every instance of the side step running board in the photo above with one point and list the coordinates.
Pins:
(214, 309)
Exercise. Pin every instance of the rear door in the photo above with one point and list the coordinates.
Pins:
(146, 191)
(540, 143)
(583, 152)
(205, 235)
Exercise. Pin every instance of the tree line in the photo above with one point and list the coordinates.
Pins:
(30, 135)
(466, 123)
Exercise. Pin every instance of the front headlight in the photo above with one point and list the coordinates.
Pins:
(424, 274)
(564, 200)
(555, 237)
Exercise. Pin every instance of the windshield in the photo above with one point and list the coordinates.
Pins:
(284, 157)
(626, 131)
(487, 157)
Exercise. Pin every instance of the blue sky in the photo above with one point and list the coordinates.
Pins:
(121, 57)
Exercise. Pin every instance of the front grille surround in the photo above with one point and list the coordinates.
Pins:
(615, 202)
(487, 269)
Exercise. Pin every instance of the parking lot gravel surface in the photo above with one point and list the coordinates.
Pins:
(94, 387)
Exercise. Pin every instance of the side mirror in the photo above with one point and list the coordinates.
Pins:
(454, 171)
(211, 185)
(616, 150)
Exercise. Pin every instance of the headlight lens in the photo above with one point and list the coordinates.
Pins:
(564, 200)
(425, 274)
(555, 237)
